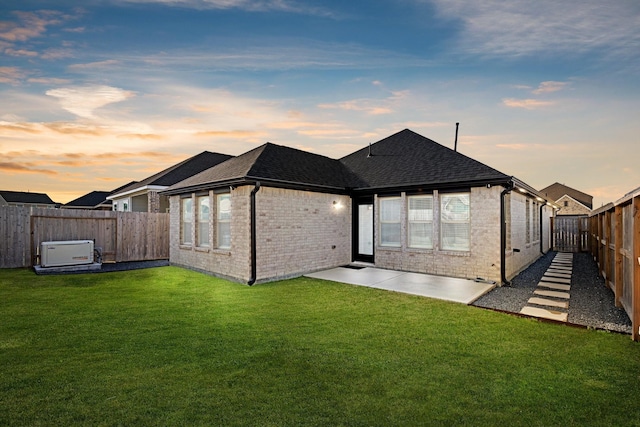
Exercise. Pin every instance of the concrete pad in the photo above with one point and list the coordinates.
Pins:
(548, 302)
(555, 286)
(67, 269)
(553, 279)
(554, 294)
(546, 314)
(439, 287)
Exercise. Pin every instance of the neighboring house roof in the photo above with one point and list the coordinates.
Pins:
(176, 173)
(276, 164)
(90, 200)
(556, 190)
(26, 197)
(407, 158)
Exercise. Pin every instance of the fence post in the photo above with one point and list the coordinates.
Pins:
(619, 259)
(635, 303)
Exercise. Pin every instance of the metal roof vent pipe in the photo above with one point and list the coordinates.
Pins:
(455, 144)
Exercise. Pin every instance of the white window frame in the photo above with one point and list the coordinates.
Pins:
(459, 220)
(418, 219)
(186, 221)
(223, 221)
(203, 221)
(386, 222)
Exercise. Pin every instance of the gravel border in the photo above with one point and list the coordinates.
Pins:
(591, 303)
(106, 267)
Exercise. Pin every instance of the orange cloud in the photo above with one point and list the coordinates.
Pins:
(358, 105)
(20, 52)
(236, 134)
(527, 104)
(10, 167)
(143, 136)
(548, 87)
(11, 75)
(74, 129)
(19, 127)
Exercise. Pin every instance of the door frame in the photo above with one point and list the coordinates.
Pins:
(356, 255)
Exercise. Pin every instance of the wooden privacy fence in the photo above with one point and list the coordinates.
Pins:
(614, 230)
(570, 233)
(122, 236)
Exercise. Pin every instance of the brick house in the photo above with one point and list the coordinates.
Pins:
(569, 200)
(404, 203)
(144, 196)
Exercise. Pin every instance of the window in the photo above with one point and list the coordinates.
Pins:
(527, 225)
(455, 222)
(223, 202)
(204, 215)
(421, 222)
(566, 203)
(390, 221)
(186, 221)
(536, 221)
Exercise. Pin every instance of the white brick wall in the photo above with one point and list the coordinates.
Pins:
(233, 263)
(297, 232)
(483, 259)
(301, 231)
(521, 254)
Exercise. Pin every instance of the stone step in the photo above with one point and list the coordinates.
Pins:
(555, 286)
(562, 263)
(554, 294)
(544, 313)
(546, 278)
(560, 269)
(548, 302)
(558, 275)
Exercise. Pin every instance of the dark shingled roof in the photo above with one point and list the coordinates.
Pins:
(407, 159)
(26, 197)
(180, 171)
(403, 160)
(92, 199)
(276, 164)
(556, 190)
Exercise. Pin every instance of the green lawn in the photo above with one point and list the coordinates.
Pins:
(168, 346)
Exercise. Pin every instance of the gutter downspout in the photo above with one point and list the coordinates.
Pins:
(254, 246)
(541, 241)
(503, 236)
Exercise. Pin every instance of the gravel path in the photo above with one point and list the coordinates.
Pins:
(591, 303)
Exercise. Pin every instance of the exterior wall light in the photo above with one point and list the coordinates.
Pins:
(337, 205)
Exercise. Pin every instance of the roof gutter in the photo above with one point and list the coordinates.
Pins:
(254, 245)
(503, 235)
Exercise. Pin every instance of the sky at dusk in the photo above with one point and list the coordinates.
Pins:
(98, 93)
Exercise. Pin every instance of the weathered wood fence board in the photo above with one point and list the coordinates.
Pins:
(570, 234)
(122, 236)
(615, 245)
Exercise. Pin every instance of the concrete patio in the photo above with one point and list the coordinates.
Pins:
(445, 288)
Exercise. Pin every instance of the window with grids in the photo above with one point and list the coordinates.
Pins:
(390, 215)
(455, 220)
(186, 221)
(420, 222)
(223, 208)
(204, 216)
